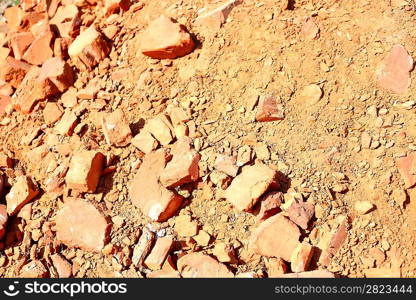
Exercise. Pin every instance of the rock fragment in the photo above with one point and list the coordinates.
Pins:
(22, 191)
(199, 265)
(160, 251)
(116, 129)
(269, 109)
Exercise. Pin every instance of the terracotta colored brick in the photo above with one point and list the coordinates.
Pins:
(40, 50)
(22, 191)
(165, 38)
(264, 242)
(199, 265)
(269, 205)
(246, 189)
(145, 142)
(13, 71)
(332, 241)
(58, 72)
(67, 20)
(19, 42)
(148, 194)
(114, 6)
(31, 18)
(226, 164)
(88, 49)
(269, 110)
(5, 161)
(183, 168)
(394, 72)
(301, 213)
(160, 251)
(90, 91)
(34, 269)
(116, 129)
(80, 224)
(224, 253)
(407, 169)
(3, 220)
(62, 266)
(52, 113)
(301, 257)
(143, 247)
(14, 17)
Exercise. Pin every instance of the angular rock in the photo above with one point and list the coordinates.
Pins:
(166, 39)
(116, 129)
(67, 20)
(224, 253)
(34, 269)
(269, 110)
(301, 257)
(301, 213)
(393, 74)
(310, 29)
(88, 49)
(145, 142)
(331, 242)
(310, 94)
(183, 168)
(160, 251)
(276, 267)
(270, 205)
(5, 162)
(246, 188)
(13, 71)
(168, 270)
(67, 123)
(226, 164)
(61, 265)
(14, 17)
(161, 129)
(148, 194)
(276, 237)
(199, 265)
(19, 42)
(80, 224)
(58, 72)
(85, 171)
(22, 191)
(143, 247)
(363, 207)
(40, 50)
(407, 169)
(52, 113)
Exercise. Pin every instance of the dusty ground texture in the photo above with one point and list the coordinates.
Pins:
(338, 147)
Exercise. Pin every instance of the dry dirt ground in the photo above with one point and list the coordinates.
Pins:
(334, 152)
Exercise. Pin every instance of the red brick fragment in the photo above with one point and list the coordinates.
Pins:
(116, 129)
(22, 191)
(199, 265)
(62, 266)
(269, 109)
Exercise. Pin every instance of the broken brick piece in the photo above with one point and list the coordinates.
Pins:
(393, 74)
(226, 164)
(80, 224)
(270, 205)
(161, 129)
(148, 194)
(61, 265)
(88, 49)
(264, 239)
(199, 265)
(67, 123)
(116, 129)
(85, 171)
(145, 142)
(166, 39)
(19, 42)
(66, 20)
(13, 71)
(183, 168)
(3, 220)
(40, 50)
(58, 72)
(269, 110)
(52, 113)
(160, 251)
(22, 191)
(407, 168)
(301, 257)
(246, 189)
(34, 269)
(301, 213)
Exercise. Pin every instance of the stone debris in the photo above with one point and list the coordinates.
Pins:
(22, 191)
(80, 224)
(199, 265)
(116, 129)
